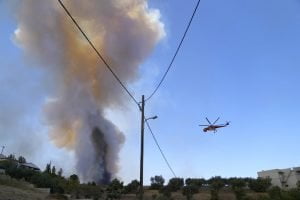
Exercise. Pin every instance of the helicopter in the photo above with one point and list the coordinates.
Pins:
(212, 126)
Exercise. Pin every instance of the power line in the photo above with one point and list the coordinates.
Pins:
(161, 151)
(176, 52)
(118, 79)
(98, 53)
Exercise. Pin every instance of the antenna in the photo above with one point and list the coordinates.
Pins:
(3, 147)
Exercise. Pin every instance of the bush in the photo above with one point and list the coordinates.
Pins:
(166, 191)
(189, 191)
(216, 184)
(275, 193)
(238, 185)
(260, 184)
(293, 194)
(239, 193)
(114, 189)
(157, 182)
(198, 182)
(132, 187)
(175, 184)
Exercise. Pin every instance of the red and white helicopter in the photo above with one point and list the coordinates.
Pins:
(213, 127)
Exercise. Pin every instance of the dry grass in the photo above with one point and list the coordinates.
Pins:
(12, 193)
(12, 189)
(203, 194)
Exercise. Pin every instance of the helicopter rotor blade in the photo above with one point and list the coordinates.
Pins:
(208, 120)
(204, 125)
(216, 120)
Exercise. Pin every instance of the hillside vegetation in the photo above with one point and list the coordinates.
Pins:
(22, 183)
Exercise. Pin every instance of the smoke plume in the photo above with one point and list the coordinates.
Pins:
(125, 32)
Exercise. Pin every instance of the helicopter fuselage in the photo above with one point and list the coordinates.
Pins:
(212, 128)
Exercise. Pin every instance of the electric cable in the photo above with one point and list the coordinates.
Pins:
(160, 149)
(98, 53)
(176, 52)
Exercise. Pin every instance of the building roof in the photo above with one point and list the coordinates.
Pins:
(2, 156)
(30, 165)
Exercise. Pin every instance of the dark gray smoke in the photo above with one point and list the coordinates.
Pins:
(100, 147)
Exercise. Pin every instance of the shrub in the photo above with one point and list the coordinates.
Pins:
(175, 184)
(260, 184)
(132, 187)
(198, 182)
(157, 182)
(189, 191)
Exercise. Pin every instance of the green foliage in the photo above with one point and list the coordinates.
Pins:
(293, 194)
(238, 185)
(8, 181)
(275, 193)
(114, 190)
(74, 179)
(157, 182)
(239, 193)
(53, 171)
(12, 157)
(189, 191)
(21, 159)
(216, 184)
(89, 191)
(7, 164)
(60, 172)
(48, 168)
(214, 195)
(132, 187)
(166, 192)
(198, 182)
(175, 184)
(260, 184)
(45, 180)
(48, 179)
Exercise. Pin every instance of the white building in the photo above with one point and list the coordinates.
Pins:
(283, 178)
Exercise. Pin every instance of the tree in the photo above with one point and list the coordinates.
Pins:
(238, 185)
(11, 157)
(53, 171)
(132, 187)
(21, 159)
(48, 168)
(175, 184)
(189, 191)
(198, 182)
(74, 179)
(216, 184)
(260, 184)
(114, 189)
(60, 172)
(157, 182)
(166, 192)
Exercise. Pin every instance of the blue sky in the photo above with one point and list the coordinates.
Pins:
(239, 62)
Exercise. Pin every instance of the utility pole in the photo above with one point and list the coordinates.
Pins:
(142, 107)
(2, 149)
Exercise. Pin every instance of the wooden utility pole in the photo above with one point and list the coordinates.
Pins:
(142, 149)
